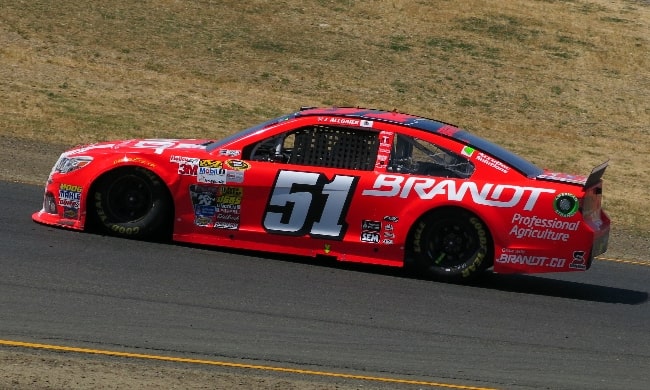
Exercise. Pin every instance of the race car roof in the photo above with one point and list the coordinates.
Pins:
(434, 126)
(416, 122)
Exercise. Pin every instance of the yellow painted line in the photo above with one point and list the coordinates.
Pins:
(623, 261)
(10, 343)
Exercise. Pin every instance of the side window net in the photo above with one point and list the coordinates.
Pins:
(321, 146)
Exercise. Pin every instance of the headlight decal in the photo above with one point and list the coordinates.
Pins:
(69, 164)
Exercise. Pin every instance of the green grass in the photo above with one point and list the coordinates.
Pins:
(564, 83)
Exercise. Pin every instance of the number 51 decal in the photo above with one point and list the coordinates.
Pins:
(308, 203)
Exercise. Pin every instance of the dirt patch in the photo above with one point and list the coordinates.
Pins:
(40, 370)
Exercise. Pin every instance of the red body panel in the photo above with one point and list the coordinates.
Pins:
(221, 198)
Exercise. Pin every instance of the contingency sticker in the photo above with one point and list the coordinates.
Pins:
(216, 206)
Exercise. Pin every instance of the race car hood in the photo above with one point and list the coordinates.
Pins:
(157, 146)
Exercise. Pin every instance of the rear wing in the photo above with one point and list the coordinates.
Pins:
(595, 175)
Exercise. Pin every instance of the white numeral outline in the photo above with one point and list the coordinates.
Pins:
(308, 203)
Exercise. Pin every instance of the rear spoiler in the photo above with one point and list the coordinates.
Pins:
(595, 175)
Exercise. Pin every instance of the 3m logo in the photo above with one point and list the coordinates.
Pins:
(187, 169)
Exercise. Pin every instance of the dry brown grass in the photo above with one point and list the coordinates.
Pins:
(565, 83)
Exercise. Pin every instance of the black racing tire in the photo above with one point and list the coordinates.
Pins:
(133, 203)
(452, 245)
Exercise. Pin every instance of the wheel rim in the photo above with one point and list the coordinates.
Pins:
(451, 244)
(128, 198)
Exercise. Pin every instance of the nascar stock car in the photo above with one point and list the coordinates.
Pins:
(353, 184)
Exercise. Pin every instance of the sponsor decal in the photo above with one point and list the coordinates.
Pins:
(204, 215)
(383, 155)
(216, 206)
(188, 169)
(210, 163)
(69, 203)
(187, 166)
(388, 234)
(203, 195)
(579, 261)
(228, 201)
(229, 152)
(488, 194)
(374, 226)
(236, 165)
(370, 237)
(230, 195)
(491, 162)
(204, 202)
(509, 256)
(566, 204)
(226, 225)
(385, 138)
(542, 228)
(70, 196)
(211, 175)
(211, 171)
(183, 159)
(346, 121)
(234, 176)
(137, 160)
(71, 212)
(370, 231)
(71, 188)
(467, 151)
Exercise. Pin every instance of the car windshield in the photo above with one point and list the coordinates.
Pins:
(216, 144)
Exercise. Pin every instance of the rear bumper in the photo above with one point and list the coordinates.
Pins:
(543, 256)
(601, 236)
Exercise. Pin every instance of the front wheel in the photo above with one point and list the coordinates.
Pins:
(131, 203)
(452, 245)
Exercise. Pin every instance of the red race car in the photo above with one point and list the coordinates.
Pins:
(354, 184)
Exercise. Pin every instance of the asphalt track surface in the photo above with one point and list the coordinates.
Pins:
(562, 331)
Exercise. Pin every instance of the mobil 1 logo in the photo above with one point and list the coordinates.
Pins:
(309, 203)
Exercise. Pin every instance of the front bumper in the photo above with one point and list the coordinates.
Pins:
(62, 206)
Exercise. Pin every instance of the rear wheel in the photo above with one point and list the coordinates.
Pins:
(131, 202)
(450, 244)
